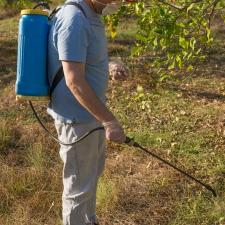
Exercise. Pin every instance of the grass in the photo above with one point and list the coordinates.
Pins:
(181, 120)
(106, 195)
(201, 210)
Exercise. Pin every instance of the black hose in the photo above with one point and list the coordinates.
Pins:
(54, 137)
(129, 142)
(45, 5)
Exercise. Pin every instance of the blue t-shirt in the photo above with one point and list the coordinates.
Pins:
(74, 37)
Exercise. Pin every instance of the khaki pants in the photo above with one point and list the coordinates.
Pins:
(83, 164)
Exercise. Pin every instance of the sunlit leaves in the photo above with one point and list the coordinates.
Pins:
(176, 32)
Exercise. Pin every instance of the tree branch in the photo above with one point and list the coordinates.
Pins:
(170, 4)
(181, 8)
(212, 12)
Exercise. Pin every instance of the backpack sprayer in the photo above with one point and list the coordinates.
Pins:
(32, 82)
(32, 79)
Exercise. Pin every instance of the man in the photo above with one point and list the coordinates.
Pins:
(77, 42)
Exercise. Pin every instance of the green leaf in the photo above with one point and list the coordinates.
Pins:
(155, 42)
(140, 89)
(164, 77)
(183, 43)
(172, 66)
(208, 32)
(179, 61)
(192, 43)
(190, 68)
(190, 7)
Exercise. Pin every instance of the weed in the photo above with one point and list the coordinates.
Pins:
(106, 195)
(8, 136)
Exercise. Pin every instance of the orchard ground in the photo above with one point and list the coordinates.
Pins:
(182, 120)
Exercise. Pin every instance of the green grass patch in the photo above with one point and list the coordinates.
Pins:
(200, 210)
(9, 28)
(36, 157)
(106, 195)
(8, 136)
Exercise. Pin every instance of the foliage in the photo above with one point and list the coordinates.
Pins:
(19, 4)
(177, 34)
(14, 4)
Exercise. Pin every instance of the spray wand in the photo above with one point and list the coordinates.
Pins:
(129, 142)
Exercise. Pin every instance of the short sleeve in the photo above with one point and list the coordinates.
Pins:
(72, 40)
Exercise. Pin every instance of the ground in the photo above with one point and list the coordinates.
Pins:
(181, 120)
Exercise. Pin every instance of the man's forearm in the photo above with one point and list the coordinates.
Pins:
(89, 100)
(75, 80)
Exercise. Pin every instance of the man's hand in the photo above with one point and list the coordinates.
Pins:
(114, 132)
(117, 70)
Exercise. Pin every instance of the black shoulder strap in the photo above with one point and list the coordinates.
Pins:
(59, 75)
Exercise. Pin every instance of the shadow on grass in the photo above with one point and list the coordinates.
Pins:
(9, 137)
(149, 205)
(193, 92)
(8, 53)
(8, 13)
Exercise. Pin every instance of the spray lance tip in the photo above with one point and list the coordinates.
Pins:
(212, 190)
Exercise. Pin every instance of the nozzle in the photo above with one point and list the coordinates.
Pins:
(129, 141)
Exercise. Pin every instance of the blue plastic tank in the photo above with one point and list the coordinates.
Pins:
(32, 82)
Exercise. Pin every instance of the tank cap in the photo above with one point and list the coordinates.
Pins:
(34, 12)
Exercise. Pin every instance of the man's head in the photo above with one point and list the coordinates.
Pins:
(105, 6)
